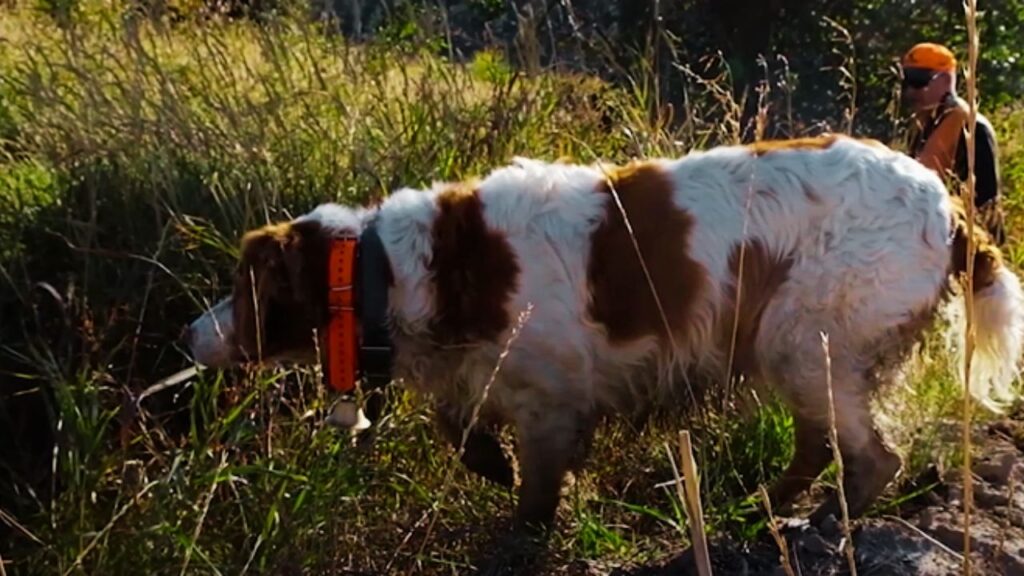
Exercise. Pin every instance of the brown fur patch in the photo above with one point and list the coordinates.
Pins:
(807, 143)
(621, 295)
(474, 271)
(987, 257)
(288, 263)
(760, 277)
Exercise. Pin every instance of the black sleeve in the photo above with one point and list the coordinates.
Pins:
(986, 165)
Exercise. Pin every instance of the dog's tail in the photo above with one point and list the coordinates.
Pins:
(998, 316)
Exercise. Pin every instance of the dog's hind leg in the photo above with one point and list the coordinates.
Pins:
(869, 465)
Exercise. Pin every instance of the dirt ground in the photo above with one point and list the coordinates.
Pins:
(925, 540)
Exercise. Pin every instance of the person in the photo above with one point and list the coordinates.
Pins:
(939, 136)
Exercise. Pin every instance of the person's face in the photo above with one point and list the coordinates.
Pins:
(922, 88)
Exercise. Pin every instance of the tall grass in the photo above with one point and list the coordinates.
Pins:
(133, 155)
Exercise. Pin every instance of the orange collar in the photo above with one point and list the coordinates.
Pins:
(357, 344)
(341, 341)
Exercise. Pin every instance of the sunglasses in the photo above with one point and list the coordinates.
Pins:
(918, 77)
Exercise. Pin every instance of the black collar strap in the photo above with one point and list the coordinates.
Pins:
(375, 348)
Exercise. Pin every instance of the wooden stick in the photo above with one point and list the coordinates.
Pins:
(692, 503)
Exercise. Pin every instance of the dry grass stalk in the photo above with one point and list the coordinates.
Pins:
(787, 86)
(838, 455)
(764, 90)
(774, 530)
(847, 68)
(730, 128)
(689, 492)
(970, 75)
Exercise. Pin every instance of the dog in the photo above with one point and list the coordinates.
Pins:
(572, 292)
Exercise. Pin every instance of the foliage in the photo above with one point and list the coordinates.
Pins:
(814, 48)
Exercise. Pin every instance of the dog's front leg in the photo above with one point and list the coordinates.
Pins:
(552, 440)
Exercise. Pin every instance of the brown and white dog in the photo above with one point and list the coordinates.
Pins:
(736, 257)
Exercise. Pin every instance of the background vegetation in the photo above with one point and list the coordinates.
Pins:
(137, 141)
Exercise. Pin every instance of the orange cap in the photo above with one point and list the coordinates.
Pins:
(930, 56)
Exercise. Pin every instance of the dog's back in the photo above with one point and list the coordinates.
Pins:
(848, 237)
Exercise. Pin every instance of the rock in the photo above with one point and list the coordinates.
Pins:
(989, 497)
(1016, 517)
(924, 519)
(1012, 429)
(954, 496)
(830, 527)
(998, 468)
(1011, 565)
(950, 535)
(814, 544)
(931, 498)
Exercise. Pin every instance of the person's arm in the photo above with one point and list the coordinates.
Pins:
(939, 152)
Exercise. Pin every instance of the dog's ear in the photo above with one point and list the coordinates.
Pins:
(281, 288)
(258, 280)
(289, 259)
(304, 253)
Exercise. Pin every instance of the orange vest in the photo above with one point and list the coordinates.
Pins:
(935, 144)
(941, 145)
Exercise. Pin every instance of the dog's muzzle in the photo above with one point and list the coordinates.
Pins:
(209, 336)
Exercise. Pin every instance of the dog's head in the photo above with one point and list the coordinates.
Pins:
(278, 299)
